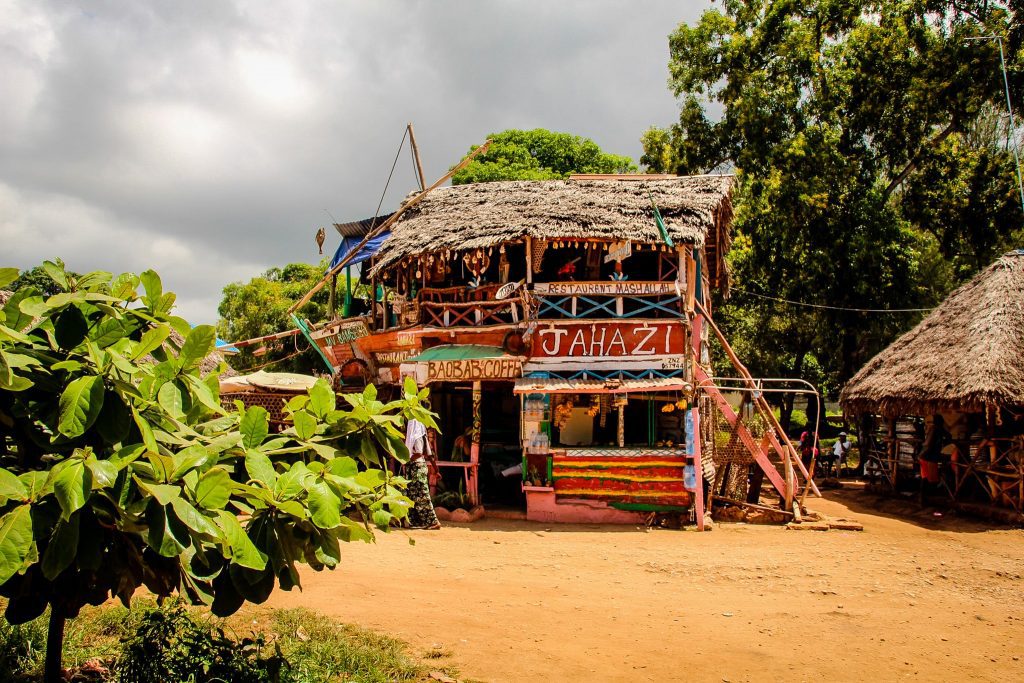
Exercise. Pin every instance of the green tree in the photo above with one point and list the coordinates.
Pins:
(39, 279)
(119, 468)
(840, 118)
(260, 307)
(539, 154)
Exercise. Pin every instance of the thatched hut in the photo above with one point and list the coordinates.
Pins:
(965, 364)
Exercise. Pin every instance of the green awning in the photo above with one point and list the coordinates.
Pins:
(457, 352)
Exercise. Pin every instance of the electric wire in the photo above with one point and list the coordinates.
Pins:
(832, 308)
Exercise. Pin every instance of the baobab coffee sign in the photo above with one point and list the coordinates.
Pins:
(608, 340)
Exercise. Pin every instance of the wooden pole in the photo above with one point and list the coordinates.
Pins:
(698, 470)
(474, 449)
(416, 156)
(387, 224)
(529, 260)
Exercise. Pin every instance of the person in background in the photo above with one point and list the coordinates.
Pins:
(422, 515)
(841, 451)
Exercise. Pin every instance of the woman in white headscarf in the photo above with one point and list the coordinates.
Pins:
(422, 515)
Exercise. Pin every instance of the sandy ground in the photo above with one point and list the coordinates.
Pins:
(924, 599)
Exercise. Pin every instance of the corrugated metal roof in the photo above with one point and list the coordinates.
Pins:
(531, 385)
(458, 352)
(359, 228)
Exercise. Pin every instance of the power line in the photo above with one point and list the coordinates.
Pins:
(833, 308)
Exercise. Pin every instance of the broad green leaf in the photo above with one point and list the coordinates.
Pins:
(324, 505)
(213, 489)
(255, 426)
(328, 551)
(38, 484)
(70, 328)
(323, 450)
(154, 288)
(371, 478)
(202, 391)
(56, 272)
(109, 331)
(68, 365)
(260, 468)
(115, 420)
(80, 405)
(194, 519)
(190, 458)
(292, 482)
(146, 431)
(243, 551)
(7, 276)
(305, 425)
(343, 467)
(164, 493)
(169, 398)
(382, 518)
(162, 537)
(15, 541)
(104, 472)
(198, 344)
(293, 508)
(15, 318)
(321, 399)
(72, 486)
(296, 403)
(93, 279)
(11, 487)
(62, 549)
(150, 340)
(123, 286)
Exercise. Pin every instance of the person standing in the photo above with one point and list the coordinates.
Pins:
(840, 452)
(422, 515)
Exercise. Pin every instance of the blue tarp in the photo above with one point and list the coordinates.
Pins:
(350, 243)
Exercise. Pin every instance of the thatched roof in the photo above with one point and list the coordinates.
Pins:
(696, 210)
(966, 354)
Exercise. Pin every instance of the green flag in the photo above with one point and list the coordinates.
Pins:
(661, 224)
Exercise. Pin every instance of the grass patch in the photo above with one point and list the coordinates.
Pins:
(173, 642)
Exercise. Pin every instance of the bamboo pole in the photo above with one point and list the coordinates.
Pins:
(416, 156)
(387, 224)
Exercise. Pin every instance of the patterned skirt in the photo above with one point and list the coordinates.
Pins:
(422, 513)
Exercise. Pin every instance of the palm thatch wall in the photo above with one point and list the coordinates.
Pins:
(966, 355)
(696, 210)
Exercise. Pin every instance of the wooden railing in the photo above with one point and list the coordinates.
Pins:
(470, 313)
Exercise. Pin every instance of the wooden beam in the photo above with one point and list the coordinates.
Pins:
(416, 156)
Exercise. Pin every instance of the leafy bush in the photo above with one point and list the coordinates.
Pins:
(172, 644)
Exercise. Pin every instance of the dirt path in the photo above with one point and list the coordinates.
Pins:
(515, 601)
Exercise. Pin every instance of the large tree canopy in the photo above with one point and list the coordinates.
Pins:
(872, 171)
(539, 155)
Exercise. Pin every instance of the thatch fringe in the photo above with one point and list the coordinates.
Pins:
(966, 355)
(696, 210)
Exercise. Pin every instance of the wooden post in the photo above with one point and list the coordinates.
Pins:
(529, 260)
(474, 449)
(621, 429)
(332, 299)
(698, 470)
(347, 310)
(416, 156)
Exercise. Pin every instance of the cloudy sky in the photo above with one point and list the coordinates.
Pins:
(208, 140)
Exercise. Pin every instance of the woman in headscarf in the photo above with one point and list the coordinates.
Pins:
(422, 515)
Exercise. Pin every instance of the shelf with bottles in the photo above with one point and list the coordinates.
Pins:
(536, 410)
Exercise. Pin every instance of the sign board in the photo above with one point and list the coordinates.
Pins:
(619, 251)
(506, 290)
(342, 333)
(470, 369)
(610, 288)
(392, 357)
(406, 339)
(609, 340)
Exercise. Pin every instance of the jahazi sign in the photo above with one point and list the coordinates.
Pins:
(610, 288)
(472, 369)
(609, 340)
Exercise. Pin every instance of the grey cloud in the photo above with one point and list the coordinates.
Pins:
(208, 138)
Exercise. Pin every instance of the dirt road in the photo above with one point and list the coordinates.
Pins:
(925, 600)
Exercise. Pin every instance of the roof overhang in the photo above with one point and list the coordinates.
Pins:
(531, 385)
